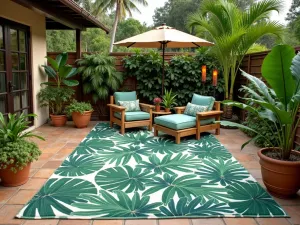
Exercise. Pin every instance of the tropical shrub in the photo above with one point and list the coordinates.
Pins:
(80, 107)
(279, 103)
(57, 91)
(55, 98)
(14, 148)
(234, 31)
(100, 77)
(183, 75)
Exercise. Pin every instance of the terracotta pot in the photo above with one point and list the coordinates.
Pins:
(82, 120)
(58, 120)
(11, 179)
(157, 108)
(167, 109)
(280, 177)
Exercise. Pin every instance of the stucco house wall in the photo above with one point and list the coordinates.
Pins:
(37, 23)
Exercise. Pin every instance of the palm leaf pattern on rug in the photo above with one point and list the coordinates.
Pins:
(137, 175)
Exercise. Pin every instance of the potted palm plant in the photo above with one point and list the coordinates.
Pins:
(81, 113)
(16, 152)
(57, 91)
(169, 100)
(280, 164)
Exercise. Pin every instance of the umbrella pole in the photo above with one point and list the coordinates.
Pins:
(163, 71)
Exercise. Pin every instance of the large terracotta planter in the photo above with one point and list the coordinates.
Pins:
(82, 120)
(58, 120)
(11, 179)
(280, 177)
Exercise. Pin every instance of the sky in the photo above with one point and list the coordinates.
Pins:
(148, 12)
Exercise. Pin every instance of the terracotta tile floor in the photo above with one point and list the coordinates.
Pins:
(62, 141)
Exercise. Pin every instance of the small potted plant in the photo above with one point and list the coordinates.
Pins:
(168, 100)
(280, 101)
(81, 113)
(16, 152)
(157, 101)
(58, 73)
(56, 98)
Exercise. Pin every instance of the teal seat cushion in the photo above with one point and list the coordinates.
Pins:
(124, 96)
(133, 116)
(179, 121)
(203, 100)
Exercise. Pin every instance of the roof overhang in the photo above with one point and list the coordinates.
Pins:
(63, 14)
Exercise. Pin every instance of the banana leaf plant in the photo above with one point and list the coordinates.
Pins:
(59, 71)
(279, 98)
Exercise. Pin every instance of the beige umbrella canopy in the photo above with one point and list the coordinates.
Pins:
(164, 37)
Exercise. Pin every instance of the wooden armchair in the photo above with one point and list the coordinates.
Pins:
(215, 113)
(124, 119)
(181, 125)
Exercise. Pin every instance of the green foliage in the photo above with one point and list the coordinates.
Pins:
(60, 71)
(280, 103)
(183, 75)
(257, 48)
(130, 27)
(18, 154)
(60, 41)
(99, 75)
(169, 99)
(55, 98)
(13, 129)
(175, 13)
(234, 31)
(256, 123)
(80, 107)
(15, 150)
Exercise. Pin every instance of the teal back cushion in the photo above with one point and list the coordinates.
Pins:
(124, 96)
(203, 100)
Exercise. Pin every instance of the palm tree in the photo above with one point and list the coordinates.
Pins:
(234, 31)
(122, 9)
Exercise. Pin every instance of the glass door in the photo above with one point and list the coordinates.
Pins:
(15, 90)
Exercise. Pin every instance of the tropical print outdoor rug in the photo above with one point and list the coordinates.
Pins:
(110, 176)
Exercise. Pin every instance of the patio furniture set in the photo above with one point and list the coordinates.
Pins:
(198, 116)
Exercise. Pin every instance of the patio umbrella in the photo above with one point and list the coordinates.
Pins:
(164, 37)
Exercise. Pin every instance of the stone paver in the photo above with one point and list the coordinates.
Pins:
(175, 222)
(22, 197)
(240, 221)
(140, 222)
(6, 194)
(212, 221)
(75, 222)
(61, 141)
(34, 183)
(44, 173)
(273, 221)
(7, 214)
(41, 222)
(108, 222)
